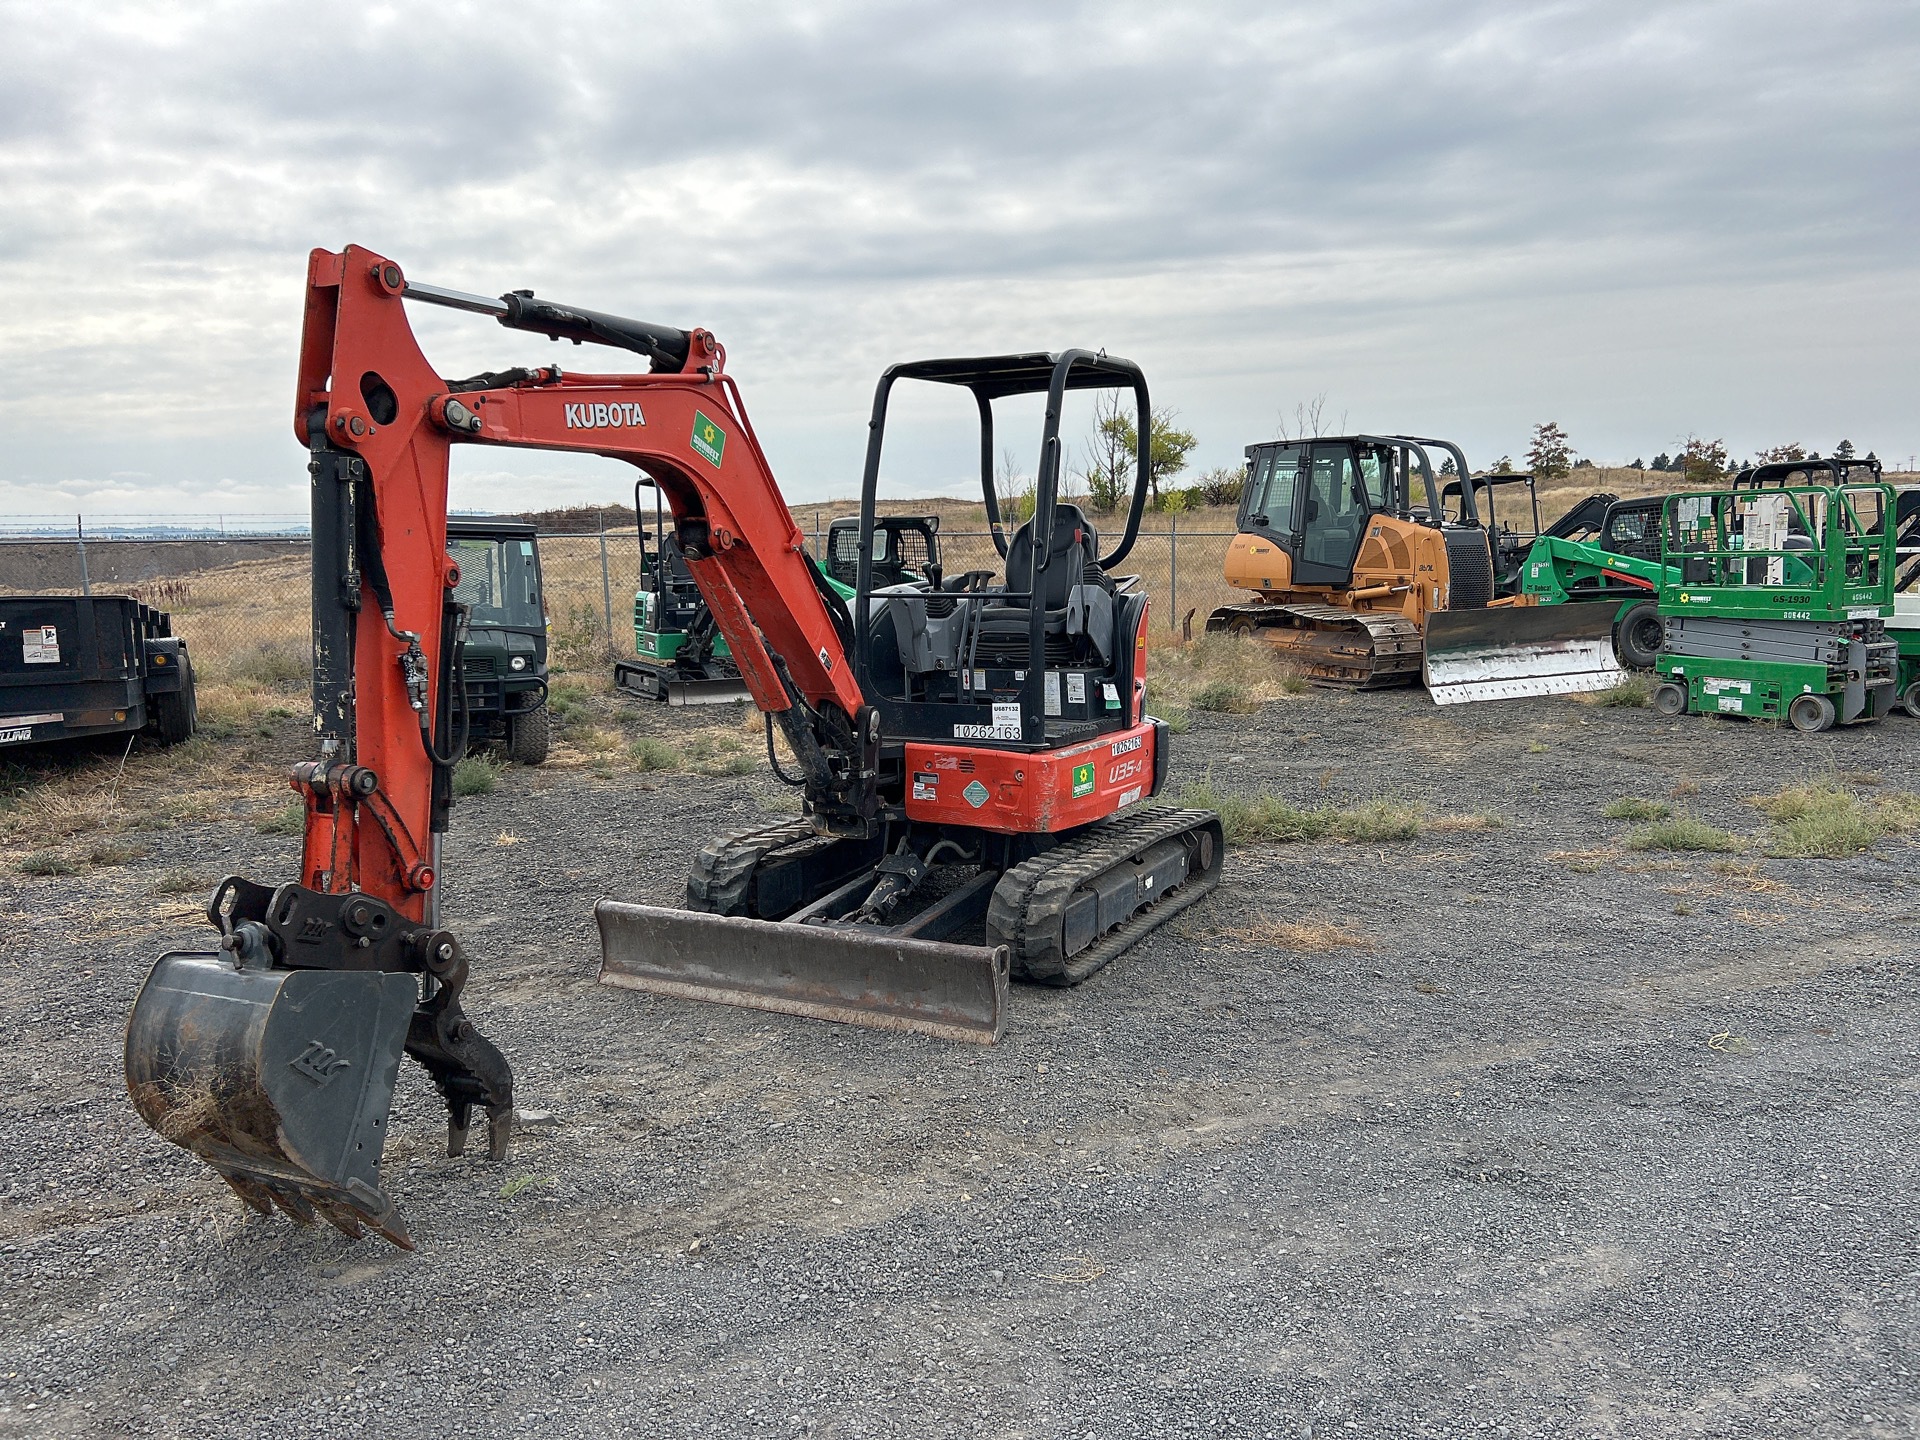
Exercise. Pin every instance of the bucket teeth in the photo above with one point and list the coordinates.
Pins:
(459, 1119)
(295, 1204)
(352, 1209)
(256, 1195)
(342, 1219)
(377, 1213)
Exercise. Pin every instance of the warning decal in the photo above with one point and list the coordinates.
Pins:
(40, 645)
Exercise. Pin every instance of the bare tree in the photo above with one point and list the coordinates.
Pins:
(1012, 488)
(1308, 420)
(1111, 450)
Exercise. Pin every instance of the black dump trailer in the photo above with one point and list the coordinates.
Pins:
(74, 665)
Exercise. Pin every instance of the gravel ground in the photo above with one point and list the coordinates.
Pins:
(1575, 1142)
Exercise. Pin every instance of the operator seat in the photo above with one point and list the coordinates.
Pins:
(1073, 592)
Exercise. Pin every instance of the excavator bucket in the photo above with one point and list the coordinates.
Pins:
(886, 982)
(281, 1080)
(1507, 651)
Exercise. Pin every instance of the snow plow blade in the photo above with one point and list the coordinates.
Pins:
(825, 972)
(1508, 651)
(281, 1080)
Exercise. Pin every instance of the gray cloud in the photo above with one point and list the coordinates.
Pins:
(1640, 219)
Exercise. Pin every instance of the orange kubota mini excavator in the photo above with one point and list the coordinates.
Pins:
(972, 754)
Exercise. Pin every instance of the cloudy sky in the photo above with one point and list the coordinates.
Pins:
(1642, 220)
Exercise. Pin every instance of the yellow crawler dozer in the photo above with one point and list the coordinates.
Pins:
(1357, 585)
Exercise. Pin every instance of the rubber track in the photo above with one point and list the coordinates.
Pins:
(1029, 905)
(1394, 646)
(723, 870)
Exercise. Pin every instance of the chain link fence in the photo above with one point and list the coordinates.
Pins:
(241, 602)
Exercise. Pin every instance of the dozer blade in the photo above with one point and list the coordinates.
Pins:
(1505, 652)
(886, 982)
(727, 691)
(656, 682)
(281, 1080)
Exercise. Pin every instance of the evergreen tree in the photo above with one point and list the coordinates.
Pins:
(1549, 455)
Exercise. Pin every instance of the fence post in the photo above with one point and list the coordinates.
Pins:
(606, 585)
(80, 547)
(1173, 572)
(819, 556)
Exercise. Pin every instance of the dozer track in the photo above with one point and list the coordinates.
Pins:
(1065, 913)
(1333, 646)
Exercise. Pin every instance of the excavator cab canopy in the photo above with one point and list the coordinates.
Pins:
(1049, 647)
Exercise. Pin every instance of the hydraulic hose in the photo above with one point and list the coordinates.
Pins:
(798, 782)
(453, 756)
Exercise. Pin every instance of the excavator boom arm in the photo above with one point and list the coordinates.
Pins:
(367, 392)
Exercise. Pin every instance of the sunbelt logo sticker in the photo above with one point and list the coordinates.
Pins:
(1083, 779)
(709, 440)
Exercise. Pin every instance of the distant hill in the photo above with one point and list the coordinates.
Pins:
(578, 519)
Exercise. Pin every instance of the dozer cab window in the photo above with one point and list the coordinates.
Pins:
(500, 579)
(1376, 474)
(1334, 510)
(1270, 493)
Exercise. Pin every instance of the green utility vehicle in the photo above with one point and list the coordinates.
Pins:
(680, 656)
(1603, 548)
(1775, 603)
(504, 655)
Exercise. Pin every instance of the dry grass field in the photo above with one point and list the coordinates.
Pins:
(247, 623)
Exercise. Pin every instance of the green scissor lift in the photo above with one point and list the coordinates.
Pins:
(1904, 627)
(1775, 604)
